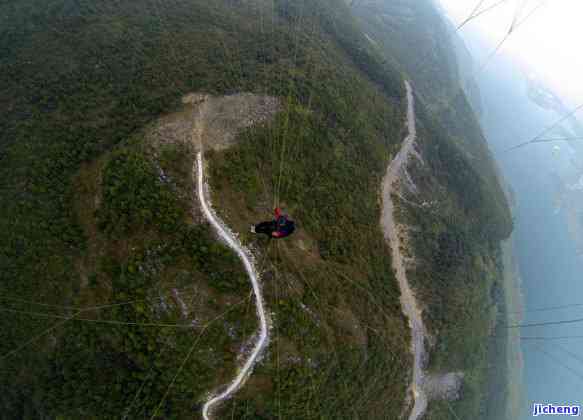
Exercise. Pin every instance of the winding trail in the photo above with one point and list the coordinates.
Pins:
(391, 231)
(247, 258)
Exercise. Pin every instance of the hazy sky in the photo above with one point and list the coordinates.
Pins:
(550, 42)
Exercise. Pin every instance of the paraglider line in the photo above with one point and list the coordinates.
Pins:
(546, 130)
(547, 308)
(472, 17)
(540, 324)
(472, 14)
(558, 361)
(543, 338)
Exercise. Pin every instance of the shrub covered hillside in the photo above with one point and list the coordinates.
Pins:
(107, 281)
(414, 34)
(117, 300)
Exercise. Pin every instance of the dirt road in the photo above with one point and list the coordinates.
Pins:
(247, 259)
(391, 232)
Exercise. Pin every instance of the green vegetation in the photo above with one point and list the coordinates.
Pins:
(135, 196)
(123, 357)
(460, 214)
(338, 321)
(414, 35)
(455, 239)
(95, 214)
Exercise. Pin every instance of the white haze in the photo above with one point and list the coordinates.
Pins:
(547, 45)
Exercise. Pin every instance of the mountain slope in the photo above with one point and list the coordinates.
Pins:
(122, 302)
(453, 205)
(97, 214)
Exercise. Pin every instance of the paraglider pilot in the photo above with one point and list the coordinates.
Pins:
(278, 228)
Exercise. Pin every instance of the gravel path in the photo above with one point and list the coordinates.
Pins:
(391, 232)
(247, 259)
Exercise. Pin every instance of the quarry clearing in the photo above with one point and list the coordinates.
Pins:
(213, 122)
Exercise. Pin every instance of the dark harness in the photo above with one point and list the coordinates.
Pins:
(283, 227)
